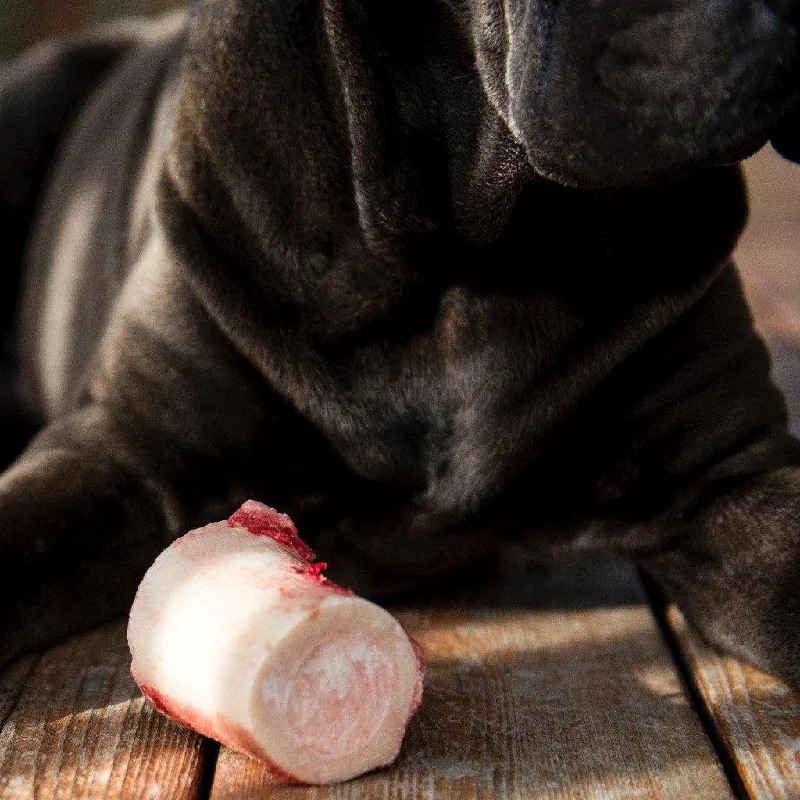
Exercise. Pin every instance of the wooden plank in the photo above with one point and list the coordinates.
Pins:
(768, 257)
(11, 24)
(55, 18)
(12, 682)
(756, 716)
(773, 187)
(528, 703)
(79, 729)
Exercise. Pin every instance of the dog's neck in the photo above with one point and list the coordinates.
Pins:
(412, 144)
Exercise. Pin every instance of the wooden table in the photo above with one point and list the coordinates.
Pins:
(553, 681)
(559, 682)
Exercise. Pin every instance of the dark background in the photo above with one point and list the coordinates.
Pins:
(23, 22)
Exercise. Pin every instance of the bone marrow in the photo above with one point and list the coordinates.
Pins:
(236, 633)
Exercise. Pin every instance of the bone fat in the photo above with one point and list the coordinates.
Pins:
(236, 633)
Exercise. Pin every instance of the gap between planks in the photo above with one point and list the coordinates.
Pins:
(755, 716)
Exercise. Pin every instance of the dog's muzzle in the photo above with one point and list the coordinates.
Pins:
(629, 93)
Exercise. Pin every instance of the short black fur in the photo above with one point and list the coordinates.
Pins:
(424, 274)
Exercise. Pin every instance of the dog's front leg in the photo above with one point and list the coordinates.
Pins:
(77, 528)
(734, 569)
(165, 425)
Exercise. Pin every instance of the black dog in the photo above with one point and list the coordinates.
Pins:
(421, 273)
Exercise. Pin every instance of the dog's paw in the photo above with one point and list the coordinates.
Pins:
(735, 573)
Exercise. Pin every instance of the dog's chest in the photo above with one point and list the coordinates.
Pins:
(435, 405)
(451, 371)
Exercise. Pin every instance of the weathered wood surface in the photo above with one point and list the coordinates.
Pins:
(756, 716)
(79, 729)
(531, 703)
(12, 682)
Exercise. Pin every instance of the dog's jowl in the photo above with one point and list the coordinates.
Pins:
(424, 274)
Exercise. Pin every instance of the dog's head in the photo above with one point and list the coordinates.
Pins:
(630, 92)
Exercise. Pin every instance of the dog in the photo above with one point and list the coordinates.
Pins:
(427, 275)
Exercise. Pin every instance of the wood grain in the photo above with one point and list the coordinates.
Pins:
(756, 716)
(573, 703)
(12, 682)
(79, 729)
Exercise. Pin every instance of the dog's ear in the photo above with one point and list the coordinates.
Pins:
(786, 140)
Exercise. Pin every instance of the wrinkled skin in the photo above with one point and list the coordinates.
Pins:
(423, 275)
(627, 93)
